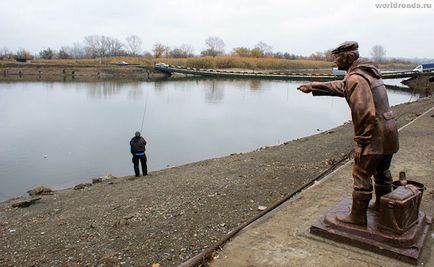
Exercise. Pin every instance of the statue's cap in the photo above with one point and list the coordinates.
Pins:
(137, 134)
(345, 47)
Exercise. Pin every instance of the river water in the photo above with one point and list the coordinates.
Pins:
(59, 134)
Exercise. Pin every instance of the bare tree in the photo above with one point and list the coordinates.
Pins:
(134, 45)
(182, 51)
(290, 56)
(114, 46)
(328, 56)
(147, 54)
(175, 52)
(64, 53)
(265, 49)
(77, 51)
(103, 46)
(378, 53)
(95, 46)
(5, 53)
(23, 54)
(167, 51)
(187, 50)
(317, 56)
(214, 46)
(159, 49)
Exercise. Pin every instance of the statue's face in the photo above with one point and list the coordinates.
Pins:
(342, 62)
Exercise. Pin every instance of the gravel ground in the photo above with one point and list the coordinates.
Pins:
(170, 215)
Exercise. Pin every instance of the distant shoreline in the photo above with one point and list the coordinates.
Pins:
(12, 71)
(70, 72)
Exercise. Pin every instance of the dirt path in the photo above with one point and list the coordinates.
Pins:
(170, 215)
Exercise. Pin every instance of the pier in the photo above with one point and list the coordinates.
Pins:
(169, 69)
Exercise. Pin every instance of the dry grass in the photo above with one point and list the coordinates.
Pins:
(95, 61)
(224, 62)
(394, 66)
(219, 62)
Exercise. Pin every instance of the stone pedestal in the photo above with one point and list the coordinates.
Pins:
(405, 247)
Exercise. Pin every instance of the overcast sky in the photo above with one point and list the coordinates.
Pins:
(300, 27)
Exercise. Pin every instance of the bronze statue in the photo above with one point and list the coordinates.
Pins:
(375, 131)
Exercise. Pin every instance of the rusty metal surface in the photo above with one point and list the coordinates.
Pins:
(406, 247)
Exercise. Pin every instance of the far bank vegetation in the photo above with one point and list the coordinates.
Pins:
(104, 50)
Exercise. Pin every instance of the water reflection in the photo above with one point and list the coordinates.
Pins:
(215, 92)
(107, 89)
(255, 84)
(84, 128)
(160, 85)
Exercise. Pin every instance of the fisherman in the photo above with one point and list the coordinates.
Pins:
(375, 131)
(428, 90)
(138, 144)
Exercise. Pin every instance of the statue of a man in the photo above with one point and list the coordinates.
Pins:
(375, 131)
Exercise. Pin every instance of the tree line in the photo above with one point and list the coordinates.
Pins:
(100, 46)
(94, 46)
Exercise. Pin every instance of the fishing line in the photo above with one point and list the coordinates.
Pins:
(413, 93)
(144, 111)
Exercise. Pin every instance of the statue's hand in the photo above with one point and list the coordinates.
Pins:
(305, 88)
(358, 153)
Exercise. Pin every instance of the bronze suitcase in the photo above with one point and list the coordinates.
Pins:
(399, 209)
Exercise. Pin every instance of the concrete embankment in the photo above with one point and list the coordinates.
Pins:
(30, 71)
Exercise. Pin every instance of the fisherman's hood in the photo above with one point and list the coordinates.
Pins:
(366, 65)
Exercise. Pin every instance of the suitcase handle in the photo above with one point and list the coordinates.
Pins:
(391, 205)
(412, 188)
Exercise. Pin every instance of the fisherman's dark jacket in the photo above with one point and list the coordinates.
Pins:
(374, 124)
(138, 144)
